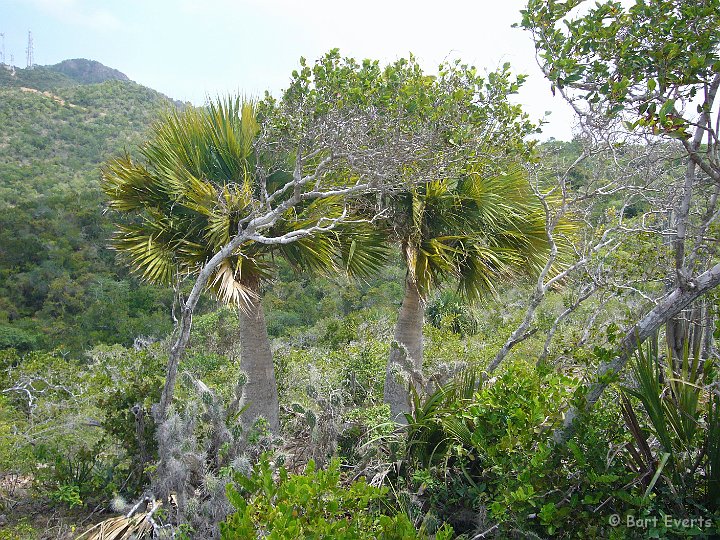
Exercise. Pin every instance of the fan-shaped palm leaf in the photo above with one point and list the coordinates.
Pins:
(479, 229)
(194, 185)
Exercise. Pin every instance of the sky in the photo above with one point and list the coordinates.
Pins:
(194, 49)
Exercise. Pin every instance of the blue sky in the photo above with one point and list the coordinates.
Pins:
(189, 49)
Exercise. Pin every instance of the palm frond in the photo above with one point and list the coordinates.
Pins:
(151, 258)
(194, 183)
(484, 227)
(230, 289)
(130, 186)
(363, 250)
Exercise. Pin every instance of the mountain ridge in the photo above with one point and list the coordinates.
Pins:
(65, 74)
(88, 71)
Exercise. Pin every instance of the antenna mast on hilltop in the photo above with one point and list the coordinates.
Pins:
(29, 50)
(2, 51)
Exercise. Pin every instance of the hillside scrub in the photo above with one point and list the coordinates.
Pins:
(534, 410)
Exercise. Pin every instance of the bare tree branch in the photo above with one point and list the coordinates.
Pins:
(672, 304)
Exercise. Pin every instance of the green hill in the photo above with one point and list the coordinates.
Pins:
(56, 273)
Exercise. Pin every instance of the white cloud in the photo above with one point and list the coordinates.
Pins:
(78, 13)
(479, 33)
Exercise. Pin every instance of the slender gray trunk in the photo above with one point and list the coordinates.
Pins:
(406, 353)
(709, 326)
(256, 360)
(678, 329)
(677, 332)
(176, 352)
(687, 328)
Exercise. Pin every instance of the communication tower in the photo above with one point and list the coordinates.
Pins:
(2, 50)
(29, 50)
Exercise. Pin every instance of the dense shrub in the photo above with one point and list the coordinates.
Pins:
(313, 505)
(485, 457)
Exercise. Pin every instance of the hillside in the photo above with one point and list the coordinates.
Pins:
(59, 124)
(60, 285)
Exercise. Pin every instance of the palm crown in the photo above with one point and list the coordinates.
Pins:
(477, 229)
(196, 181)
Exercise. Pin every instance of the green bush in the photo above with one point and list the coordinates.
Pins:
(80, 476)
(359, 367)
(72, 424)
(22, 530)
(490, 452)
(125, 384)
(450, 311)
(17, 338)
(312, 505)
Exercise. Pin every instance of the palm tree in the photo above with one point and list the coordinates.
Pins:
(185, 197)
(478, 229)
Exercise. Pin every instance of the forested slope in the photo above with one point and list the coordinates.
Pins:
(58, 279)
(60, 284)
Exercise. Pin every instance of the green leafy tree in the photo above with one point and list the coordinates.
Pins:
(652, 68)
(445, 218)
(655, 63)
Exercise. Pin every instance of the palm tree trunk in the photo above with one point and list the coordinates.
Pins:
(406, 353)
(261, 396)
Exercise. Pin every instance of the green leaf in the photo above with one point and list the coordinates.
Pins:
(666, 109)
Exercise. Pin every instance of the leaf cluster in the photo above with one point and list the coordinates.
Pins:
(645, 60)
(312, 505)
